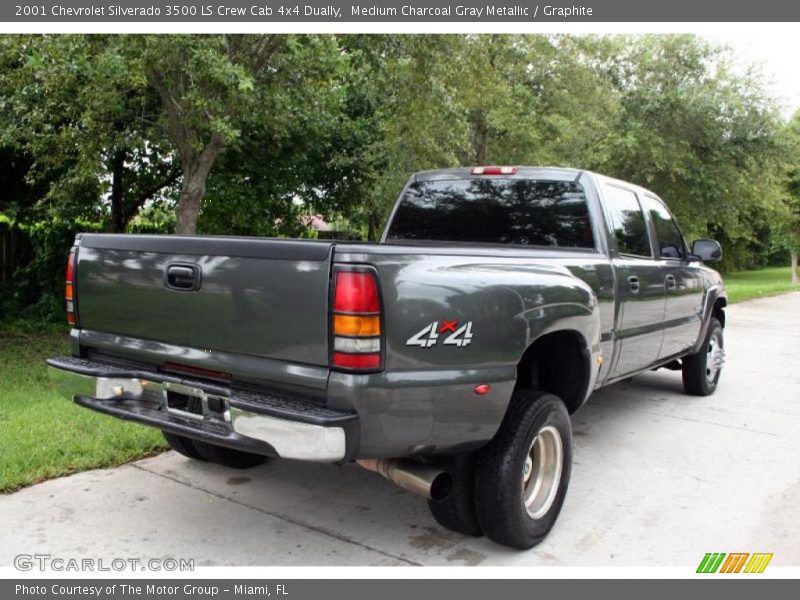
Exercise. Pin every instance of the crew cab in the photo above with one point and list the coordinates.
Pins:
(448, 357)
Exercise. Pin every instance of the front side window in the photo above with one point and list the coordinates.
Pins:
(669, 239)
(627, 221)
(494, 211)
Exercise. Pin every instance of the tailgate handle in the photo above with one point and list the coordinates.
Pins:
(182, 277)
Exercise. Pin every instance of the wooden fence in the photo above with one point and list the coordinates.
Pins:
(14, 249)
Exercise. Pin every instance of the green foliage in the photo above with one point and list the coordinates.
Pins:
(300, 152)
(36, 291)
(153, 218)
(703, 138)
(667, 112)
(74, 104)
(241, 134)
(789, 229)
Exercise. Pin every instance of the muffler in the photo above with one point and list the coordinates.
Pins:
(412, 476)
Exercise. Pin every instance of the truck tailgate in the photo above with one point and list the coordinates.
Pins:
(254, 296)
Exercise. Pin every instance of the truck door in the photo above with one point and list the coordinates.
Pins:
(682, 281)
(640, 283)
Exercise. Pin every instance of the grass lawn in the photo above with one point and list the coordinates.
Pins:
(746, 285)
(42, 434)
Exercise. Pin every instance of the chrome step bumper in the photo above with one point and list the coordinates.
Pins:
(253, 421)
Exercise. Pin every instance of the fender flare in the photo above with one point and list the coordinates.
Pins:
(583, 321)
(713, 295)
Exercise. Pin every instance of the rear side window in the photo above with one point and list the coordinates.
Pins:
(494, 211)
(669, 238)
(628, 222)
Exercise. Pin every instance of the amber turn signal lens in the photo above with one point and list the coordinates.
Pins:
(356, 325)
(69, 291)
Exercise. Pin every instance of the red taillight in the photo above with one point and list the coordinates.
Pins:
(356, 292)
(356, 361)
(69, 292)
(493, 170)
(356, 323)
(71, 267)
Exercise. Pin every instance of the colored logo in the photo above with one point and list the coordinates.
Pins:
(735, 562)
(428, 336)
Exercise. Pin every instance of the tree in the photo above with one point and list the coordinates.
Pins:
(535, 99)
(300, 149)
(114, 122)
(400, 95)
(206, 84)
(790, 228)
(250, 130)
(701, 135)
(74, 105)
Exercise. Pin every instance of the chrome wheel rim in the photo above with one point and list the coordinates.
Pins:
(541, 473)
(715, 358)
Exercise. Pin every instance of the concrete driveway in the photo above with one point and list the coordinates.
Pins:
(660, 478)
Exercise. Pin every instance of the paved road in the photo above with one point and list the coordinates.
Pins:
(660, 478)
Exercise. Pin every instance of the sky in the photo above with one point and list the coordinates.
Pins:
(779, 56)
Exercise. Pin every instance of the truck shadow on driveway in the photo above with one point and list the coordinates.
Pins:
(620, 441)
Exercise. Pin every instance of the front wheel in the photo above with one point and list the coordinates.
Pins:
(523, 473)
(701, 371)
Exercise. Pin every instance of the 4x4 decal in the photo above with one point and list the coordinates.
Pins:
(429, 335)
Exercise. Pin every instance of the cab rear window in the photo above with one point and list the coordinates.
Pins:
(494, 211)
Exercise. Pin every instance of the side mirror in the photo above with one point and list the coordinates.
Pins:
(707, 250)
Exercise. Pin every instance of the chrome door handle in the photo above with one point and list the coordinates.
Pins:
(671, 282)
(633, 284)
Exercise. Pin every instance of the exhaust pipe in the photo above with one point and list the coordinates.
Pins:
(412, 476)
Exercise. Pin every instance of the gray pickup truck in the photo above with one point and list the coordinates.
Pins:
(448, 357)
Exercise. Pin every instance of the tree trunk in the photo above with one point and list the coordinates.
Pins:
(373, 226)
(480, 137)
(188, 210)
(118, 220)
(794, 267)
(193, 187)
(170, 77)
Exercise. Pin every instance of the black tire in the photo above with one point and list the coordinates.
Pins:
(698, 369)
(236, 459)
(500, 477)
(183, 445)
(456, 511)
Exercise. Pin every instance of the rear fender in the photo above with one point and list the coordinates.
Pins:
(579, 317)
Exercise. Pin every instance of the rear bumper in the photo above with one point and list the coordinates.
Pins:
(253, 421)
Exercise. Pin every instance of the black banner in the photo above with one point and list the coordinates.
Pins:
(340, 11)
(394, 589)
